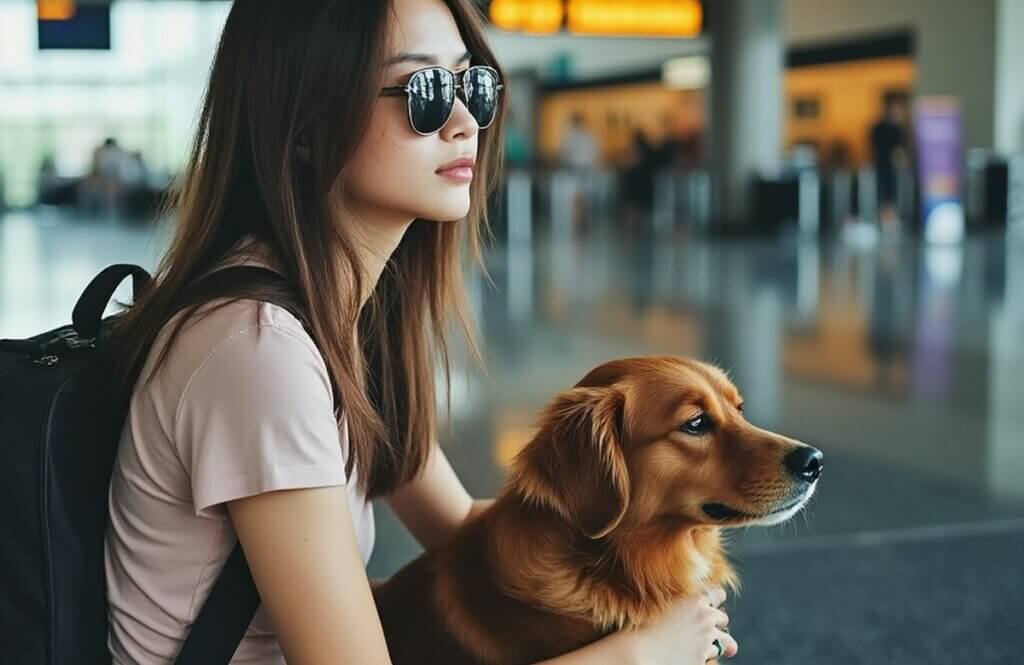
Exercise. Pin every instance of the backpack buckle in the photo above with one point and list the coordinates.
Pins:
(80, 342)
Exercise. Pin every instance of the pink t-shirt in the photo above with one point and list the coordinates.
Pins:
(243, 405)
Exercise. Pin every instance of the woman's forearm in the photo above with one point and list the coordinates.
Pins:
(616, 649)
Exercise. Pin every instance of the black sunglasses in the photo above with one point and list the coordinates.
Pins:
(431, 95)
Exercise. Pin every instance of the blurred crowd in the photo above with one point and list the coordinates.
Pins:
(118, 183)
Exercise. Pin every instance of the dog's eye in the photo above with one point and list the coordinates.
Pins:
(697, 426)
(739, 407)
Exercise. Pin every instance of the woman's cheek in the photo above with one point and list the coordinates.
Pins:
(377, 169)
(410, 182)
(394, 169)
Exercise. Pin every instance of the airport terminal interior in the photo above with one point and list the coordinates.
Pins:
(823, 197)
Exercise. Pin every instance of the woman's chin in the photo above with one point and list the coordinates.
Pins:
(448, 214)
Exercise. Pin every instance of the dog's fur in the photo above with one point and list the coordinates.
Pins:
(601, 524)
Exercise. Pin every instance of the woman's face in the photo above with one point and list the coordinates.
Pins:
(394, 170)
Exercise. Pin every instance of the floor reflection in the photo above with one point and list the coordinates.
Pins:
(904, 364)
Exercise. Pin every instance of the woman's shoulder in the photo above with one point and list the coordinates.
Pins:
(223, 319)
(255, 331)
(223, 322)
(241, 338)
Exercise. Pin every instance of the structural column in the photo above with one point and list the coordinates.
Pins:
(1009, 101)
(746, 100)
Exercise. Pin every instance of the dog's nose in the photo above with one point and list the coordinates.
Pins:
(805, 463)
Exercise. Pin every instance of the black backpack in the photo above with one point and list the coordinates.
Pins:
(61, 415)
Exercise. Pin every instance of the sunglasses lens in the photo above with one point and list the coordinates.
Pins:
(481, 89)
(431, 96)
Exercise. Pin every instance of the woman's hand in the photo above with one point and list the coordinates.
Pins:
(684, 635)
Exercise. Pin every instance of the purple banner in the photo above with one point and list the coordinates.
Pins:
(938, 137)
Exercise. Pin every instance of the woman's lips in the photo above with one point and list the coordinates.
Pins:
(459, 173)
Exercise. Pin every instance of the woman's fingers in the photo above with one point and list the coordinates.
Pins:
(729, 647)
(716, 596)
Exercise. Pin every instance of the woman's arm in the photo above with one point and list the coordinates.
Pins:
(479, 506)
(302, 550)
(436, 503)
(684, 635)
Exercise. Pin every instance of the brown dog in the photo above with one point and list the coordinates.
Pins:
(612, 514)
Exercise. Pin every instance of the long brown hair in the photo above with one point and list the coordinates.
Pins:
(303, 77)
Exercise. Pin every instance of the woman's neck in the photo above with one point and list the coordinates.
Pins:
(377, 235)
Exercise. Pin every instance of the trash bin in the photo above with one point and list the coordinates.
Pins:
(787, 198)
(986, 191)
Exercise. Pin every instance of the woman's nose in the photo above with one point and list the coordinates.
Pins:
(461, 123)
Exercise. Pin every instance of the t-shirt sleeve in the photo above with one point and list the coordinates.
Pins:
(257, 416)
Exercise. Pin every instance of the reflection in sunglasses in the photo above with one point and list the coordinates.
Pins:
(425, 84)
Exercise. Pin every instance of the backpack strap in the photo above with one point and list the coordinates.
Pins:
(233, 601)
(226, 615)
(88, 312)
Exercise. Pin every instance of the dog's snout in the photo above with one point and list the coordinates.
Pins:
(805, 463)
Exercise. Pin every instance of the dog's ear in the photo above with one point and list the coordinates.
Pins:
(576, 464)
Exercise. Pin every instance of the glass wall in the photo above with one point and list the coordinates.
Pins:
(144, 92)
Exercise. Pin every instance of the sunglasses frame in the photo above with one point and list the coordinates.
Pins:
(400, 90)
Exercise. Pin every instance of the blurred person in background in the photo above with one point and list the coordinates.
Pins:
(109, 161)
(100, 190)
(133, 171)
(579, 149)
(580, 155)
(139, 199)
(49, 183)
(352, 175)
(118, 183)
(638, 178)
(679, 148)
(887, 140)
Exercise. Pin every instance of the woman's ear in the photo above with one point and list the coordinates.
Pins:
(576, 464)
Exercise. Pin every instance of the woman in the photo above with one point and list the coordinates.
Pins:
(312, 159)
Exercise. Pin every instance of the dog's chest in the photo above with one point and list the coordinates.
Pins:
(701, 570)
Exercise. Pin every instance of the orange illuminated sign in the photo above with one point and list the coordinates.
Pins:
(634, 18)
(55, 10)
(534, 16)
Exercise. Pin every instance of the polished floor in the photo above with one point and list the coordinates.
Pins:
(904, 364)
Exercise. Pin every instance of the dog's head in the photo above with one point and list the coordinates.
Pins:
(663, 440)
